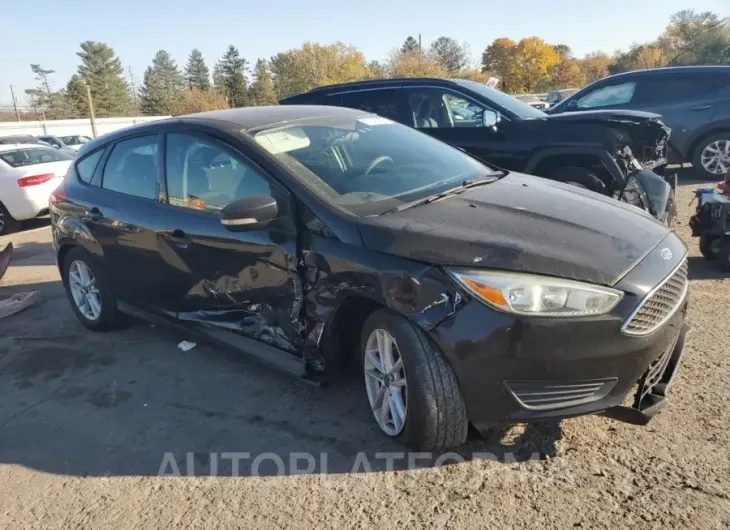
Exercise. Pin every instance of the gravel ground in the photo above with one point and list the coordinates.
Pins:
(88, 421)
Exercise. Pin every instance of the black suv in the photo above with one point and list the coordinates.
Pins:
(616, 153)
(694, 101)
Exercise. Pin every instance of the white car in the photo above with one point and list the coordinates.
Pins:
(74, 141)
(28, 175)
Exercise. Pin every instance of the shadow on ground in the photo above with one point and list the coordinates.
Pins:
(129, 402)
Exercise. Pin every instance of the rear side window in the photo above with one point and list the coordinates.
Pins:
(676, 87)
(380, 102)
(30, 156)
(86, 167)
(132, 167)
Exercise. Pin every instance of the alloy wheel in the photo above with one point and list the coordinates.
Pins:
(385, 382)
(84, 290)
(2, 221)
(715, 157)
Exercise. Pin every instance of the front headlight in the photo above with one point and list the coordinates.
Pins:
(528, 294)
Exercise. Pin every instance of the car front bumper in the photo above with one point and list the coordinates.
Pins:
(514, 369)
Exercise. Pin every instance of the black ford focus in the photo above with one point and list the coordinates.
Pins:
(313, 238)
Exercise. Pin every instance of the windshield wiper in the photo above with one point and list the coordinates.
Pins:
(467, 184)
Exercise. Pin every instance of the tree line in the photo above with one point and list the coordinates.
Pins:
(525, 66)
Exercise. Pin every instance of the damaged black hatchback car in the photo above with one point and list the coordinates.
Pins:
(310, 237)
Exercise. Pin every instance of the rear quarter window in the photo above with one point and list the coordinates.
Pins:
(86, 166)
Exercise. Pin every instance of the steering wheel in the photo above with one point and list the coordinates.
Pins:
(379, 160)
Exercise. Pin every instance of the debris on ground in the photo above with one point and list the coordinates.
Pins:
(186, 345)
(19, 302)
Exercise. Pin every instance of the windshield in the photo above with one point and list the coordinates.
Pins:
(75, 140)
(30, 156)
(367, 164)
(512, 104)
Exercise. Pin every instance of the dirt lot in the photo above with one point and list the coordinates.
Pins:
(86, 422)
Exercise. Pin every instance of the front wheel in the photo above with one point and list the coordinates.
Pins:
(580, 177)
(412, 390)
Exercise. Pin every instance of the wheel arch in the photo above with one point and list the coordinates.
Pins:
(723, 128)
(542, 162)
(71, 233)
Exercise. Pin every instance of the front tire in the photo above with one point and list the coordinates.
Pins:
(412, 390)
(580, 177)
(711, 157)
(88, 291)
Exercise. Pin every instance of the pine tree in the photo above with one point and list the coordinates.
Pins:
(262, 89)
(162, 85)
(76, 103)
(103, 72)
(197, 74)
(410, 45)
(230, 77)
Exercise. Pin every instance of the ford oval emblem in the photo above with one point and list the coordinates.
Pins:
(666, 253)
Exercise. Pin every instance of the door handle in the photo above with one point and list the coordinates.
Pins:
(703, 107)
(179, 237)
(94, 215)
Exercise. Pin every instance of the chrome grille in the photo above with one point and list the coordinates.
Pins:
(660, 304)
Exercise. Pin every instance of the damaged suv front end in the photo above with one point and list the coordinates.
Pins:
(636, 145)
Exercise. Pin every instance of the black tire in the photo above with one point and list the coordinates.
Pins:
(436, 415)
(108, 316)
(723, 255)
(697, 156)
(583, 177)
(709, 246)
(8, 225)
(671, 219)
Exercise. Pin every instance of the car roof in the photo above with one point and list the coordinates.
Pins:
(248, 118)
(374, 83)
(12, 147)
(723, 70)
(240, 119)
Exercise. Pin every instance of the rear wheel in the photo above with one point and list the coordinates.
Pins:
(8, 225)
(723, 255)
(88, 291)
(580, 177)
(711, 157)
(412, 390)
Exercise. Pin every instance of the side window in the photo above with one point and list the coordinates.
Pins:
(132, 167)
(201, 175)
(608, 96)
(87, 165)
(434, 108)
(675, 88)
(380, 102)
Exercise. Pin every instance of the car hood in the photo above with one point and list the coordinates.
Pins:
(632, 116)
(521, 223)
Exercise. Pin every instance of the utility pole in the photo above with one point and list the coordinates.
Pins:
(134, 91)
(91, 110)
(15, 104)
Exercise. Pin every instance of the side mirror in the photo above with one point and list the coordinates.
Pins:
(491, 118)
(249, 213)
(572, 105)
